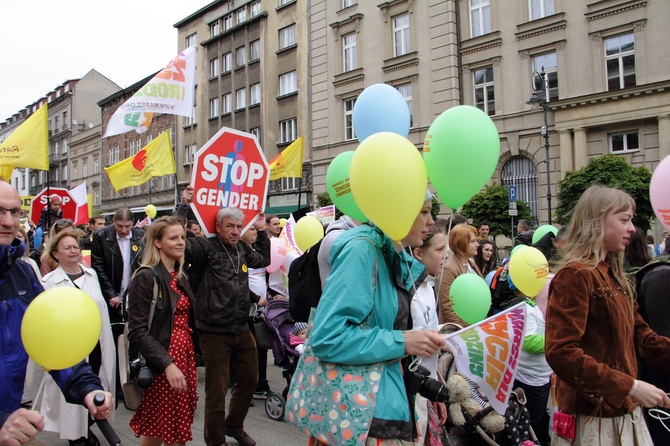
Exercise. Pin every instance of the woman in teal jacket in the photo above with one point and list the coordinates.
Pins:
(352, 294)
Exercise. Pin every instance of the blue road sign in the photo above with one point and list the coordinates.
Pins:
(512, 193)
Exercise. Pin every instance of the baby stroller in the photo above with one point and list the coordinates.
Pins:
(273, 330)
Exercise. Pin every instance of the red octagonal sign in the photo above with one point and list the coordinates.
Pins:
(69, 206)
(230, 170)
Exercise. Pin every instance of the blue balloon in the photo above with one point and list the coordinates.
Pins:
(381, 108)
(489, 277)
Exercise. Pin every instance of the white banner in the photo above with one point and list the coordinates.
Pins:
(487, 353)
(171, 91)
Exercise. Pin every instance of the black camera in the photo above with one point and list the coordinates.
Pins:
(140, 370)
(419, 381)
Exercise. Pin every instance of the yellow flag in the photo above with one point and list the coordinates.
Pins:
(154, 160)
(28, 145)
(288, 164)
(6, 173)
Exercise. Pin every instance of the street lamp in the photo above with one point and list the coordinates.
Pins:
(539, 99)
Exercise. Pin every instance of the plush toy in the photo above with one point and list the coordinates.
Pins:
(460, 399)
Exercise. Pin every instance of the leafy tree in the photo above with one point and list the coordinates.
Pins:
(608, 170)
(492, 204)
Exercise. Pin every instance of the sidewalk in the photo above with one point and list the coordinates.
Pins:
(258, 425)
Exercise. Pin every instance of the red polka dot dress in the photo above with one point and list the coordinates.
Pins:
(164, 414)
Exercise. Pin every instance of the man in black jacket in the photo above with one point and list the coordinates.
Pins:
(116, 252)
(221, 315)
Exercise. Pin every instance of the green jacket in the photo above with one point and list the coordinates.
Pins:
(349, 297)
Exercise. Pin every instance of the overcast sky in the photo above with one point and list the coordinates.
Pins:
(45, 42)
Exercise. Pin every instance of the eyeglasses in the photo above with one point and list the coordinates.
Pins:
(14, 212)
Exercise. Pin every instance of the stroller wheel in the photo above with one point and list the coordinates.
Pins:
(274, 407)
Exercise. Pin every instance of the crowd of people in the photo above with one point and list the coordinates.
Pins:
(185, 296)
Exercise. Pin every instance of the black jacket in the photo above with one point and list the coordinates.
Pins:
(107, 261)
(48, 218)
(223, 296)
(154, 343)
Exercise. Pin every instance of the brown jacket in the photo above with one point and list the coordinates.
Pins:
(594, 339)
(452, 269)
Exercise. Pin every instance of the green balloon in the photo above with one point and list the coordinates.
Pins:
(339, 189)
(542, 231)
(470, 297)
(461, 153)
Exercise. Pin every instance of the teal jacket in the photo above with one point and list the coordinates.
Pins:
(350, 295)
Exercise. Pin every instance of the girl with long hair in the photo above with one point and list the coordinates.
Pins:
(166, 413)
(594, 334)
(484, 259)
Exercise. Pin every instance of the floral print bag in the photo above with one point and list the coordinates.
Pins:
(334, 403)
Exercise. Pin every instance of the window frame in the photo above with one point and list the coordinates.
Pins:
(625, 141)
(401, 32)
(240, 56)
(288, 130)
(215, 28)
(541, 7)
(348, 108)
(349, 52)
(227, 103)
(621, 64)
(287, 36)
(480, 9)
(255, 50)
(255, 94)
(241, 93)
(485, 86)
(227, 62)
(214, 107)
(288, 83)
(551, 86)
(214, 68)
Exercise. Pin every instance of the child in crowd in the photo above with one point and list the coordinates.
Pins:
(298, 336)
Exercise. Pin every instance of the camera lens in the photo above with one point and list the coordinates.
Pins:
(145, 377)
(434, 390)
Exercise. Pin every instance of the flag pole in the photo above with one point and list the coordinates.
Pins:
(299, 192)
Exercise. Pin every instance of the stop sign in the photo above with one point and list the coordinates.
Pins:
(69, 206)
(230, 170)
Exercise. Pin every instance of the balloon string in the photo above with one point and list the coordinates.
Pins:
(444, 255)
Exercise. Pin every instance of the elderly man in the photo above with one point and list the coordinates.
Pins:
(18, 287)
(221, 314)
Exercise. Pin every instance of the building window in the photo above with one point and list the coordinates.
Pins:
(241, 16)
(480, 17)
(285, 2)
(484, 95)
(349, 133)
(56, 148)
(131, 147)
(256, 131)
(65, 122)
(288, 83)
(227, 62)
(287, 36)
(241, 98)
(190, 120)
(214, 68)
(96, 197)
(254, 50)
(56, 124)
(401, 35)
(288, 184)
(406, 92)
(620, 61)
(349, 52)
(521, 172)
(255, 8)
(64, 147)
(347, 3)
(84, 168)
(227, 103)
(138, 144)
(624, 142)
(189, 154)
(214, 28)
(255, 94)
(541, 8)
(117, 154)
(227, 22)
(214, 107)
(288, 130)
(96, 166)
(240, 56)
(548, 64)
(191, 40)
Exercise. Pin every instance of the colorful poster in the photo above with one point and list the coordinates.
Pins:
(487, 353)
(325, 214)
(171, 91)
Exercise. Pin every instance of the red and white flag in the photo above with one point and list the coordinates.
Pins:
(80, 196)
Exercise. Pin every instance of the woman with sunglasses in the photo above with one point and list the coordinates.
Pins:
(72, 421)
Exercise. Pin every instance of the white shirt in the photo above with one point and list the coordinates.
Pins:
(424, 317)
(124, 246)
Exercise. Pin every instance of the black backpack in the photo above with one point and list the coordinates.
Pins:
(304, 284)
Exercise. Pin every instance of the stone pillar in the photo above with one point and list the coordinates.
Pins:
(663, 136)
(581, 155)
(565, 143)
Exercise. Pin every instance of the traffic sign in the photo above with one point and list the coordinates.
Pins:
(69, 206)
(230, 170)
(512, 193)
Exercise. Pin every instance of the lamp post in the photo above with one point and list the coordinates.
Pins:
(539, 99)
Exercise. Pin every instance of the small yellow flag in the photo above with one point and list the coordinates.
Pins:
(288, 164)
(28, 145)
(154, 160)
(6, 173)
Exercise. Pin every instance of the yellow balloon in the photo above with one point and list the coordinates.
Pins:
(150, 210)
(61, 327)
(389, 182)
(282, 222)
(529, 270)
(308, 231)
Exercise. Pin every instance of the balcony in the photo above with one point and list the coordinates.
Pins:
(54, 159)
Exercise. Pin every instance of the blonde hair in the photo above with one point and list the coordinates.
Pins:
(155, 231)
(53, 245)
(586, 231)
(459, 238)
